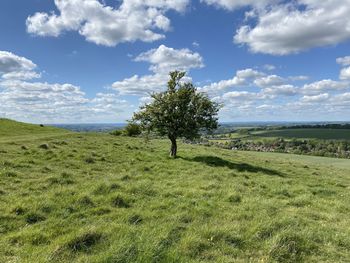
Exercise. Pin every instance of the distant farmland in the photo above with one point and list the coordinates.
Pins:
(309, 133)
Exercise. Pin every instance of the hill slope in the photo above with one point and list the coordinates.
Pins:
(13, 130)
(99, 198)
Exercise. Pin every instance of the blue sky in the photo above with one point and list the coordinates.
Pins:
(72, 61)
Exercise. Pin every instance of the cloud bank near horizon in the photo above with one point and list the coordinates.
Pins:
(250, 92)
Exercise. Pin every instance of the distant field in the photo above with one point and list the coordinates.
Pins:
(334, 163)
(87, 197)
(326, 134)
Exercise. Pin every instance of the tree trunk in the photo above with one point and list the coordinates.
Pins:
(173, 149)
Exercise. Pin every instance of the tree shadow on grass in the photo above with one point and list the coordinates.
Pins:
(215, 161)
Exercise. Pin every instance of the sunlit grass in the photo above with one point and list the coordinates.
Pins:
(101, 198)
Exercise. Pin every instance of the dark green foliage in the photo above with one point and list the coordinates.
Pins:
(132, 129)
(179, 112)
(117, 133)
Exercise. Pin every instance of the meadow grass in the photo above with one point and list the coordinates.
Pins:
(17, 131)
(101, 198)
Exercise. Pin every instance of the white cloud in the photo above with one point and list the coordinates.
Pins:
(222, 85)
(342, 99)
(273, 97)
(269, 67)
(27, 100)
(315, 98)
(240, 95)
(272, 85)
(234, 4)
(45, 102)
(294, 26)
(298, 78)
(345, 73)
(25, 75)
(38, 101)
(141, 85)
(195, 44)
(249, 74)
(324, 86)
(239, 104)
(162, 60)
(105, 25)
(241, 78)
(16, 67)
(166, 59)
(267, 107)
(282, 90)
(271, 80)
(344, 61)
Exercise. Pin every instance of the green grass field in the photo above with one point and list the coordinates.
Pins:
(15, 131)
(324, 134)
(99, 198)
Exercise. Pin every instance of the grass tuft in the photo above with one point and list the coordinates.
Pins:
(33, 218)
(135, 220)
(235, 198)
(90, 159)
(10, 174)
(18, 211)
(85, 201)
(120, 202)
(290, 247)
(44, 146)
(84, 242)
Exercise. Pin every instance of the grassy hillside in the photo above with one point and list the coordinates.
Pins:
(99, 198)
(309, 133)
(12, 130)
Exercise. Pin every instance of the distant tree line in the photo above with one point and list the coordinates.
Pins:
(327, 148)
(319, 126)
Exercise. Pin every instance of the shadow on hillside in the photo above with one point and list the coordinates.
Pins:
(215, 161)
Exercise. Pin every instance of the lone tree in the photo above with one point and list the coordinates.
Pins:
(180, 111)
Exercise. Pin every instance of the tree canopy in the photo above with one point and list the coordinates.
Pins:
(179, 112)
